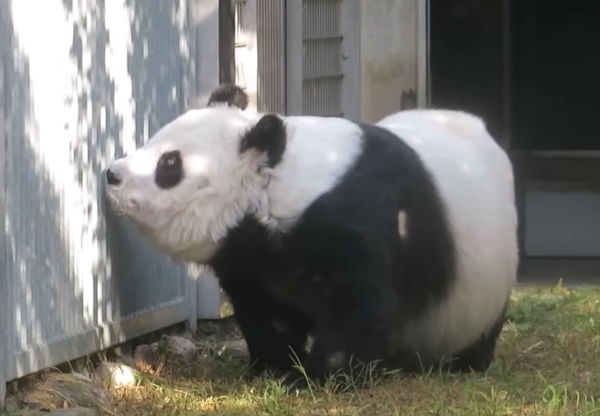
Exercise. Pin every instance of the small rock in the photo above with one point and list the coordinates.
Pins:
(116, 375)
(182, 347)
(236, 347)
(144, 358)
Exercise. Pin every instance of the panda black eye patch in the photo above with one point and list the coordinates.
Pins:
(169, 170)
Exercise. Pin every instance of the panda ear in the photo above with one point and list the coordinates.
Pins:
(268, 136)
(229, 95)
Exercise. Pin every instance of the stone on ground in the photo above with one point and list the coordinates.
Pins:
(236, 348)
(178, 346)
(144, 358)
(116, 375)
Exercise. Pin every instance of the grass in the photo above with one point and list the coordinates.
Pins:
(547, 363)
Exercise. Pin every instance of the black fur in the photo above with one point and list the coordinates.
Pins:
(231, 95)
(112, 178)
(268, 136)
(342, 274)
(169, 170)
(479, 356)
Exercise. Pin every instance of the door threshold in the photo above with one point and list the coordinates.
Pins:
(549, 271)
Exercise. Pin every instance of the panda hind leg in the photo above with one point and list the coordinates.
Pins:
(479, 356)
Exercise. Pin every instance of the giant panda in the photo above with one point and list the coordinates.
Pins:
(392, 242)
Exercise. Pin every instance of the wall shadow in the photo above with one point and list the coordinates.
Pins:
(155, 68)
(39, 290)
(71, 265)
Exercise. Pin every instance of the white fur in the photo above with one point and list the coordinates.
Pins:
(475, 179)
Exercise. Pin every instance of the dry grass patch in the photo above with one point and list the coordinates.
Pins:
(547, 363)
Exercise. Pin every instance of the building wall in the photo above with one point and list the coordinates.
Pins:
(389, 54)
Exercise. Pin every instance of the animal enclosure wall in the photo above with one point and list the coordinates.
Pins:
(81, 83)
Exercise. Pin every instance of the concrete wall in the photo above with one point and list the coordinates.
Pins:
(389, 54)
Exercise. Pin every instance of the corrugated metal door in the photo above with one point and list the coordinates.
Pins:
(270, 38)
(323, 58)
(260, 53)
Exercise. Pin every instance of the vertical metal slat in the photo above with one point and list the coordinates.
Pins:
(270, 24)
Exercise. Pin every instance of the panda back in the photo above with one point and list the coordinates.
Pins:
(475, 180)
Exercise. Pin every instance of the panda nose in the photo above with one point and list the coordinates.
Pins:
(112, 178)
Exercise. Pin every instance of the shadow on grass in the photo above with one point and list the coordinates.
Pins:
(545, 366)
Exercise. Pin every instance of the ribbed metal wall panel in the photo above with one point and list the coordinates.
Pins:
(270, 36)
(240, 43)
(322, 75)
(323, 58)
(83, 82)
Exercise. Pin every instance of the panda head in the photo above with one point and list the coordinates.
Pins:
(199, 175)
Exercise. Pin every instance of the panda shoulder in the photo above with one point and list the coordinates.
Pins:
(322, 129)
(319, 153)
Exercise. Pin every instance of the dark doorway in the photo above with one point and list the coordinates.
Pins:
(466, 58)
(556, 87)
(531, 70)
